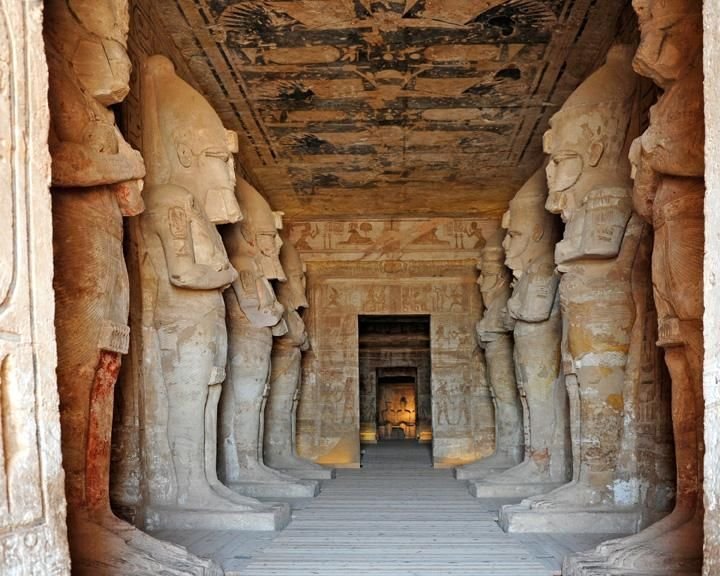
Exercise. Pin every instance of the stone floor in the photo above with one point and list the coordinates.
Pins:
(395, 515)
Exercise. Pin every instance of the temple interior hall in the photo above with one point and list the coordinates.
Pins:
(336, 287)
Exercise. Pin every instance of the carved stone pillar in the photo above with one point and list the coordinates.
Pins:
(285, 375)
(33, 535)
(669, 193)
(535, 309)
(253, 317)
(494, 336)
(189, 189)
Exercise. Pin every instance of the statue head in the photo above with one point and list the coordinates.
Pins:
(261, 229)
(671, 36)
(91, 35)
(645, 181)
(588, 138)
(531, 231)
(292, 293)
(185, 143)
(494, 279)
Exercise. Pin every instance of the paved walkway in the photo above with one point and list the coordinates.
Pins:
(396, 515)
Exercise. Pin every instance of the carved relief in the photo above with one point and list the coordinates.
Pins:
(33, 536)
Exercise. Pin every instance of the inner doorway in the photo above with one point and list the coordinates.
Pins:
(394, 365)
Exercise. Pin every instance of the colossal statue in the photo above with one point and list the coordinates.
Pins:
(589, 186)
(669, 193)
(190, 186)
(535, 308)
(254, 244)
(285, 375)
(494, 334)
(96, 179)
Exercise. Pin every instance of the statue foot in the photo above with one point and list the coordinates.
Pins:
(495, 463)
(679, 516)
(207, 498)
(675, 552)
(295, 462)
(527, 472)
(237, 499)
(574, 495)
(109, 546)
(254, 471)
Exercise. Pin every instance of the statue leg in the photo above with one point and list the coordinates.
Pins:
(101, 543)
(509, 449)
(675, 542)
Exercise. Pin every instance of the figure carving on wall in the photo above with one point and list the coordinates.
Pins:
(358, 234)
(190, 171)
(254, 244)
(96, 179)
(494, 336)
(669, 193)
(589, 186)
(534, 308)
(279, 447)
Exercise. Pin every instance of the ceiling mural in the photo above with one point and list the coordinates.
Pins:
(387, 107)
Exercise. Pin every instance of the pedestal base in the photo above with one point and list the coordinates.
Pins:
(472, 472)
(310, 473)
(522, 518)
(490, 490)
(270, 518)
(299, 489)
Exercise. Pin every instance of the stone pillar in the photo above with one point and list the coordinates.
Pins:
(711, 377)
(669, 193)
(494, 334)
(535, 309)
(590, 187)
(189, 189)
(33, 537)
(285, 375)
(253, 317)
(96, 181)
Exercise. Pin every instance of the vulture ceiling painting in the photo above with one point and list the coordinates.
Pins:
(383, 107)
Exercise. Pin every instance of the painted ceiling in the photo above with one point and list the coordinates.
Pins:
(387, 108)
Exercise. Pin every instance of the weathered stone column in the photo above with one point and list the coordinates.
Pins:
(711, 322)
(33, 536)
(494, 334)
(96, 181)
(535, 308)
(285, 375)
(255, 245)
(669, 192)
(190, 185)
(589, 185)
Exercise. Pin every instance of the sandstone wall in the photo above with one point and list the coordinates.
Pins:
(393, 267)
(33, 536)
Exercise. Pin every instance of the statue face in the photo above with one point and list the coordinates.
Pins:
(97, 45)
(564, 172)
(670, 38)
(492, 277)
(517, 240)
(268, 245)
(206, 155)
